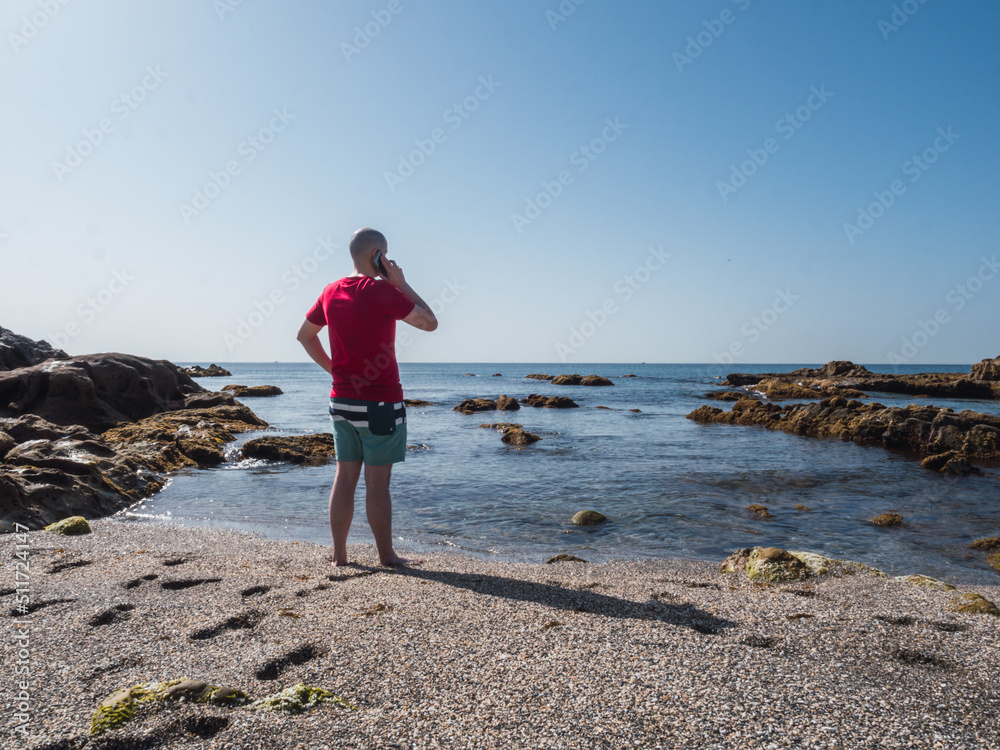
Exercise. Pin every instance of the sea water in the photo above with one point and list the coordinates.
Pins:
(669, 487)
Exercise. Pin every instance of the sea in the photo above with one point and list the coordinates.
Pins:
(670, 488)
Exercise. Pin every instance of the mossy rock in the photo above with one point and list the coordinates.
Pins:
(994, 561)
(773, 565)
(886, 519)
(120, 707)
(975, 604)
(563, 557)
(588, 518)
(298, 698)
(72, 526)
(919, 580)
(988, 544)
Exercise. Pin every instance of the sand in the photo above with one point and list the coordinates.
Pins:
(466, 653)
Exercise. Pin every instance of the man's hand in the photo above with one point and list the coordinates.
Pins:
(308, 336)
(394, 274)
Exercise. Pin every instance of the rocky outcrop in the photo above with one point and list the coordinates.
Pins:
(513, 433)
(506, 403)
(416, 402)
(580, 380)
(212, 371)
(472, 405)
(72, 526)
(52, 472)
(97, 391)
(919, 430)
(185, 438)
(987, 369)
(550, 402)
(253, 391)
(539, 376)
(563, 557)
(886, 519)
(847, 375)
(312, 450)
(726, 395)
(774, 565)
(20, 351)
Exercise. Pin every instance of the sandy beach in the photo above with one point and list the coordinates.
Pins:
(465, 653)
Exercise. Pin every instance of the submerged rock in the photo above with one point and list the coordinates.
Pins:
(253, 391)
(506, 403)
(472, 405)
(726, 395)
(539, 376)
(760, 510)
(950, 462)
(987, 544)
(512, 433)
(313, 450)
(416, 402)
(886, 519)
(550, 402)
(72, 526)
(575, 379)
(588, 518)
(212, 371)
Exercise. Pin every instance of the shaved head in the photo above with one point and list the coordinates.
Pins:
(364, 241)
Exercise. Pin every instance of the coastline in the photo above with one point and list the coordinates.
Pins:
(463, 652)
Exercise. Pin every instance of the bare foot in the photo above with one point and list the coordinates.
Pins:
(339, 563)
(396, 561)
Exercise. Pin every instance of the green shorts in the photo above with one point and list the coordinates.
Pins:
(369, 431)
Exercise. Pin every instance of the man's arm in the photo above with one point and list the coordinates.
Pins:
(309, 338)
(421, 316)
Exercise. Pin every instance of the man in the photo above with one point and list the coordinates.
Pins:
(366, 401)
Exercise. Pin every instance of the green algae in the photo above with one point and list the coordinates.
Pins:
(298, 698)
(72, 526)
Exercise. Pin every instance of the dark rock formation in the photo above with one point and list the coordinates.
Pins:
(53, 472)
(987, 369)
(212, 371)
(726, 395)
(416, 402)
(840, 375)
(886, 519)
(97, 391)
(185, 438)
(513, 433)
(760, 510)
(506, 403)
(563, 557)
(253, 391)
(539, 376)
(20, 351)
(550, 402)
(313, 450)
(988, 544)
(580, 380)
(472, 405)
(950, 462)
(919, 430)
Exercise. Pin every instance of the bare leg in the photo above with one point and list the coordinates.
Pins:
(342, 507)
(378, 505)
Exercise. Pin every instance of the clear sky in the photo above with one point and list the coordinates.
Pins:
(595, 181)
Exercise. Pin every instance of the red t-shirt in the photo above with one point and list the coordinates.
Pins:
(361, 314)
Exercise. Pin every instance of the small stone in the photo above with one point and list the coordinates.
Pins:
(802, 507)
(72, 526)
(563, 557)
(987, 544)
(886, 519)
(760, 510)
(588, 518)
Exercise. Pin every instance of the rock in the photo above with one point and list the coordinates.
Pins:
(726, 395)
(927, 581)
(539, 376)
(950, 462)
(580, 380)
(768, 564)
(253, 391)
(6, 443)
(920, 430)
(630, 376)
(212, 371)
(736, 562)
(988, 544)
(550, 402)
(802, 507)
(97, 391)
(760, 510)
(563, 557)
(122, 705)
(498, 375)
(416, 402)
(19, 351)
(506, 403)
(472, 405)
(501, 426)
(987, 369)
(298, 698)
(886, 519)
(518, 437)
(974, 604)
(470, 375)
(780, 390)
(72, 526)
(636, 411)
(993, 560)
(312, 450)
(840, 375)
(184, 438)
(53, 472)
(588, 518)
(607, 408)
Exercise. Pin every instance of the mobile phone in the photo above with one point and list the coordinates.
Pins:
(380, 265)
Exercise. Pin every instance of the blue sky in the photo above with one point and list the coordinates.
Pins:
(726, 181)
